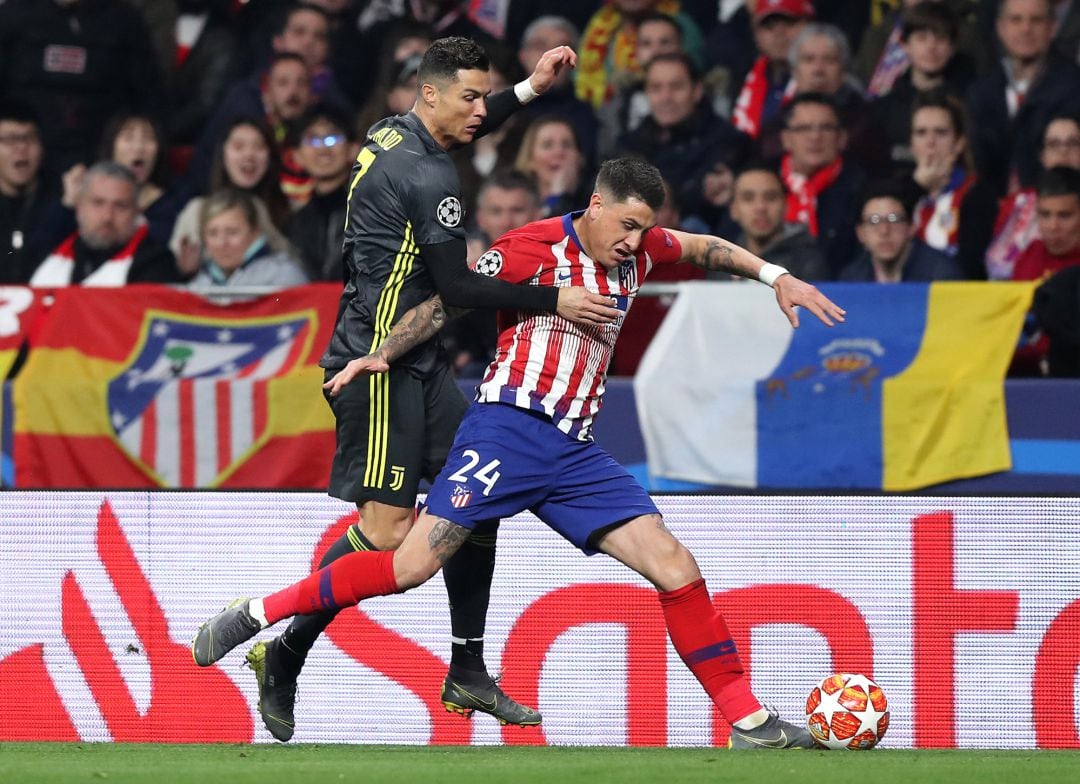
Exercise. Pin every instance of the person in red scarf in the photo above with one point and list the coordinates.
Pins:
(111, 246)
(776, 23)
(821, 185)
(956, 208)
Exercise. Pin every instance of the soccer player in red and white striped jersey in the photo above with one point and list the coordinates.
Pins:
(525, 443)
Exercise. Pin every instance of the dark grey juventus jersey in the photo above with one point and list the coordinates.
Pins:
(403, 195)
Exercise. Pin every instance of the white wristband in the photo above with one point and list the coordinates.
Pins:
(770, 272)
(525, 92)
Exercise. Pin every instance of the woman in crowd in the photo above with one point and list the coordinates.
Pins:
(551, 154)
(955, 210)
(246, 161)
(235, 247)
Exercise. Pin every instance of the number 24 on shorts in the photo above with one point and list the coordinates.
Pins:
(487, 475)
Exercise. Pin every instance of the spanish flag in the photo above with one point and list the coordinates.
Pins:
(147, 386)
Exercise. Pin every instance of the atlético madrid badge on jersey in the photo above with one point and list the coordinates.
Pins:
(459, 499)
(449, 212)
(490, 263)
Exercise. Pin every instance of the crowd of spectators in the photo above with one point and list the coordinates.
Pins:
(210, 141)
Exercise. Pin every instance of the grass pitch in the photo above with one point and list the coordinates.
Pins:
(67, 763)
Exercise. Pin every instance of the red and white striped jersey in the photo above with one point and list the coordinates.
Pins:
(544, 362)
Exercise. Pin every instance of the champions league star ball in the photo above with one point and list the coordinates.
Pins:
(847, 712)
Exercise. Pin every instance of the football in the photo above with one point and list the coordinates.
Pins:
(847, 712)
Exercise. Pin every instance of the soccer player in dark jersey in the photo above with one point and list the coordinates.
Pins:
(404, 242)
(526, 443)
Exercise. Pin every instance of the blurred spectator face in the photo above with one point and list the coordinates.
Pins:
(499, 210)
(324, 152)
(226, 238)
(671, 92)
(541, 40)
(929, 52)
(813, 137)
(884, 229)
(136, 148)
(1026, 28)
(20, 155)
(307, 35)
(401, 97)
(554, 150)
(246, 156)
(287, 92)
(818, 66)
(774, 35)
(657, 37)
(933, 137)
(106, 212)
(1061, 145)
(758, 205)
(1059, 223)
(668, 217)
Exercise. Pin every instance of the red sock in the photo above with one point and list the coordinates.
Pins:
(342, 583)
(702, 639)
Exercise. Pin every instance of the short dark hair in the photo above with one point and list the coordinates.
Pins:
(327, 112)
(937, 18)
(817, 99)
(284, 57)
(682, 59)
(14, 110)
(632, 178)
(1059, 181)
(446, 56)
(510, 180)
(884, 189)
(759, 165)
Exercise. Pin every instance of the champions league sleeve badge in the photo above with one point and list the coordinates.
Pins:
(448, 212)
(490, 263)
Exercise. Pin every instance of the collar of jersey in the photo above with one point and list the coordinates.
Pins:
(568, 225)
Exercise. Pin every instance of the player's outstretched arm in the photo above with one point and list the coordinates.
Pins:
(718, 255)
(505, 102)
(417, 325)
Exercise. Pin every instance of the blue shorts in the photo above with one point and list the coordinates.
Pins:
(505, 460)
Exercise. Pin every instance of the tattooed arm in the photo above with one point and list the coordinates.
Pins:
(417, 325)
(719, 255)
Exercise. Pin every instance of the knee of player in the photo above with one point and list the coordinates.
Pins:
(676, 564)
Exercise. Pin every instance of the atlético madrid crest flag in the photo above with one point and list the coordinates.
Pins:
(907, 393)
(146, 386)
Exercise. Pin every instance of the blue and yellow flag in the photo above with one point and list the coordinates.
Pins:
(907, 393)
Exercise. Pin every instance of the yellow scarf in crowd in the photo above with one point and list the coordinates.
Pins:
(608, 47)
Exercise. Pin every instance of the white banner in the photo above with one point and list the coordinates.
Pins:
(965, 611)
